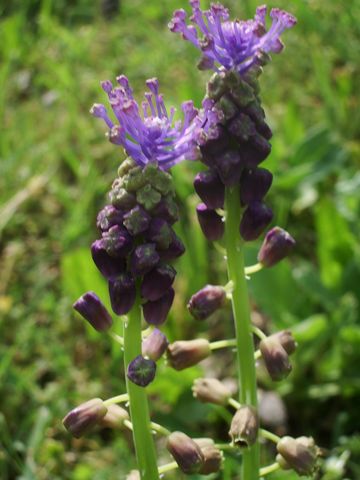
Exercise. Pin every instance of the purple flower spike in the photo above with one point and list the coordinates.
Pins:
(155, 313)
(211, 223)
(108, 217)
(117, 241)
(155, 345)
(210, 189)
(254, 185)
(231, 44)
(255, 219)
(122, 293)
(92, 309)
(109, 267)
(141, 371)
(157, 281)
(150, 136)
(144, 258)
(277, 245)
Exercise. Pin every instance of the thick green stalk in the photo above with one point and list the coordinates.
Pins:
(241, 311)
(139, 408)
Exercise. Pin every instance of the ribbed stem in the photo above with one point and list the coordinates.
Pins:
(241, 312)
(139, 408)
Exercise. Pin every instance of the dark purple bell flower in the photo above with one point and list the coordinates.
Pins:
(157, 281)
(122, 293)
(175, 249)
(255, 151)
(108, 217)
(229, 166)
(254, 220)
(257, 114)
(155, 313)
(213, 147)
(206, 301)
(167, 210)
(144, 258)
(117, 241)
(211, 223)
(84, 417)
(109, 267)
(210, 189)
(155, 345)
(137, 220)
(242, 127)
(160, 233)
(141, 371)
(92, 309)
(254, 185)
(277, 245)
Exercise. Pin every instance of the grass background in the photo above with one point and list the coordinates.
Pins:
(55, 170)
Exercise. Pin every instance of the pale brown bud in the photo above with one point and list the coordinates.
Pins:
(186, 353)
(286, 339)
(211, 390)
(186, 452)
(213, 456)
(244, 426)
(299, 453)
(276, 358)
(115, 417)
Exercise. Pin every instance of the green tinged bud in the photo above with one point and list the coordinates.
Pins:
(134, 180)
(213, 456)
(243, 94)
(83, 418)
(158, 179)
(148, 197)
(186, 353)
(115, 417)
(216, 86)
(126, 166)
(228, 107)
(244, 427)
(300, 454)
(120, 198)
(186, 452)
(211, 390)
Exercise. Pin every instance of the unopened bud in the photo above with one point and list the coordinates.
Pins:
(254, 185)
(211, 390)
(122, 292)
(144, 258)
(210, 222)
(210, 189)
(156, 282)
(155, 345)
(213, 456)
(186, 452)
(276, 358)
(141, 371)
(278, 243)
(109, 267)
(92, 309)
(115, 417)
(206, 301)
(108, 217)
(155, 312)
(84, 417)
(254, 220)
(286, 339)
(244, 426)
(299, 453)
(137, 220)
(186, 353)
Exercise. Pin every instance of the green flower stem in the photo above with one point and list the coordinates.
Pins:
(118, 399)
(168, 467)
(269, 435)
(259, 333)
(223, 344)
(234, 403)
(139, 408)
(269, 469)
(241, 311)
(253, 268)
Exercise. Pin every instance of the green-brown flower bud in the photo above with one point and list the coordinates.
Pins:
(186, 353)
(213, 456)
(211, 390)
(276, 358)
(115, 417)
(83, 418)
(244, 426)
(186, 452)
(299, 453)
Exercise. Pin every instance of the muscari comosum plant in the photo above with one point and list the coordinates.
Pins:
(229, 134)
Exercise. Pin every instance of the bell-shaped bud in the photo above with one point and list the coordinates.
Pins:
(255, 151)
(154, 345)
(156, 282)
(115, 417)
(186, 452)
(167, 210)
(244, 426)
(109, 267)
(92, 309)
(213, 456)
(186, 353)
(211, 223)
(155, 312)
(117, 241)
(276, 358)
(108, 217)
(278, 243)
(286, 339)
(206, 301)
(299, 453)
(211, 390)
(160, 233)
(254, 185)
(137, 220)
(174, 250)
(229, 166)
(141, 371)
(210, 189)
(121, 198)
(254, 220)
(84, 417)
(122, 292)
(282, 462)
(144, 258)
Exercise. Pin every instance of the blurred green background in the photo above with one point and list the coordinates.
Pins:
(55, 170)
